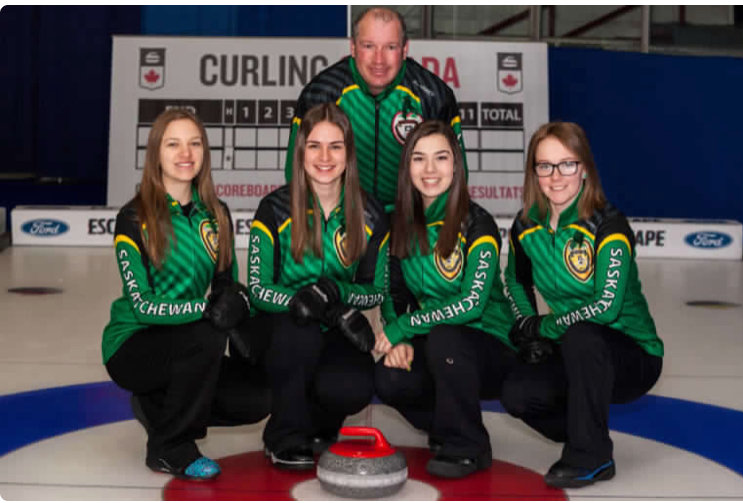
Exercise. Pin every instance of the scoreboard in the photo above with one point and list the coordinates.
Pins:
(245, 91)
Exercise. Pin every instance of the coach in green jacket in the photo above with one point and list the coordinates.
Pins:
(385, 95)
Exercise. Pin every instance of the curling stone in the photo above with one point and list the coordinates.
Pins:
(362, 469)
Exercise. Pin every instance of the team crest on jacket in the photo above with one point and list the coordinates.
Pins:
(403, 123)
(449, 267)
(209, 238)
(578, 257)
(341, 250)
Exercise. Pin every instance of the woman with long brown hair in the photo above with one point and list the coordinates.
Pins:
(598, 344)
(317, 255)
(445, 338)
(165, 343)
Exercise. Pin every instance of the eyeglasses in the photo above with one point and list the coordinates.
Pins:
(566, 168)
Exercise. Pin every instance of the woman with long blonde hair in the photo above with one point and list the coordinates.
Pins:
(165, 342)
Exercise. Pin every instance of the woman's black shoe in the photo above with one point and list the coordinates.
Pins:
(452, 467)
(562, 474)
(298, 458)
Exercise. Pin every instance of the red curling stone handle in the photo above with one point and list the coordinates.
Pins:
(380, 443)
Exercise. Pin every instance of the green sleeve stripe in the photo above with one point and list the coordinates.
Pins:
(121, 238)
(615, 237)
(259, 225)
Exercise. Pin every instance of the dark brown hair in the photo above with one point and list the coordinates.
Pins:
(573, 138)
(409, 220)
(151, 202)
(304, 238)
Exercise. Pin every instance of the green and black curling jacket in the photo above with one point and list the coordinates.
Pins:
(463, 289)
(380, 123)
(274, 276)
(585, 271)
(173, 294)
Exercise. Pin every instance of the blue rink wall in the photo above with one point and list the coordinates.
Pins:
(664, 129)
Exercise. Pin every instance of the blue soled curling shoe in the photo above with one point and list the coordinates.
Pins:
(201, 469)
(562, 474)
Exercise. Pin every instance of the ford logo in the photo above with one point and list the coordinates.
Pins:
(45, 227)
(704, 239)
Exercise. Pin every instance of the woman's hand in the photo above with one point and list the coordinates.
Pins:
(382, 344)
(400, 356)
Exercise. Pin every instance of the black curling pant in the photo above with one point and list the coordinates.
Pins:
(567, 398)
(457, 367)
(409, 392)
(185, 383)
(317, 379)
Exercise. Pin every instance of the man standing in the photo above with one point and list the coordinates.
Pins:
(384, 93)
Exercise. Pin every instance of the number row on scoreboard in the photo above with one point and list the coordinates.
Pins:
(259, 111)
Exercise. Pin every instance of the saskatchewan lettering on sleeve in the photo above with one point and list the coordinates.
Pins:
(146, 307)
(257, 289)
(464, 305)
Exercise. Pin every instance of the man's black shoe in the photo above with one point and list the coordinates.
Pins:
(320, 443)
(299, 458)
(562, 474)
(452, 467)
(434, 445)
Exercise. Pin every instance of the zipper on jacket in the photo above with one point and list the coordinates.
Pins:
(376, 146)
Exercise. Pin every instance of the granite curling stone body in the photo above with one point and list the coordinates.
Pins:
(362, 469)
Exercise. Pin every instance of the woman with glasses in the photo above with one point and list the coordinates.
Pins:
(598, 344)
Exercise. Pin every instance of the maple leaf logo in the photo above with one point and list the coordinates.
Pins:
(152, 76)
(510, 80)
